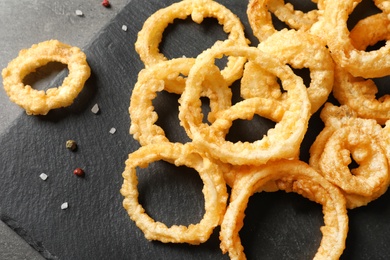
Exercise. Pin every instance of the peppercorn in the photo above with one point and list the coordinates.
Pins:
(71, 145)
(79, 172)
(106, 3)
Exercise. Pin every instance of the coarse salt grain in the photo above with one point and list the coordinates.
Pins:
(43, 176)
(112, 130)
(95, 109)
(64, 205)
(79, 13)
(124, 28)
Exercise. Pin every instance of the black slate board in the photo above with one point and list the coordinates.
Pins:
(95, 226)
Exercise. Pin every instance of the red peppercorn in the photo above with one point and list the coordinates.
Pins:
(106, 3)
(78, 172)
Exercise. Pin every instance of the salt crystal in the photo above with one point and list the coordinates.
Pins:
(64, 205)
(95, 109)
(43, 176)
(112, 130)
(124, 28)
(79, 13)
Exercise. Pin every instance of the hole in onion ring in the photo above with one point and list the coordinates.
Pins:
(165, 190)
(273, 218)
(382, 86)
(166, 106)
(364, 9)
(249, 130)
(42, 77)
(279, 25)
(376, 46)
(304, 73)
(201, 35)
(353, 165)
(304, 6)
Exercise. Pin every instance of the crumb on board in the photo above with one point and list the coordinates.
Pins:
(43, 176)
(95, 109)
(64, 205)
(79, 13)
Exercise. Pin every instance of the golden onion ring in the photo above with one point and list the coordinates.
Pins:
(300, 50)
(359, 63)
(149, 38)
(215, 193)
(346, 135)
(291, 176)
(170, 76)
(359, 93)
(282, 141)
(260, 20)
(40, 102)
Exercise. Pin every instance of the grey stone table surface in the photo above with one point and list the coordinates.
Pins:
(26, 22)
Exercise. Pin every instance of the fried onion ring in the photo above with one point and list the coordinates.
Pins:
(359, 63)
(260, 20)
(40, 102)
(215, 193)
(290, 176)
(170, 76)
(149, 38)
(346, 135)
(359, 93)
(300, 50)
(292, 114)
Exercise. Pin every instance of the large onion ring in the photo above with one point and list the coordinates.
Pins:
(39, 102)
(170, 76)
(300, 50)
(149, 38)
(291, 176)
(215, 193)
(283, 141)
(345, 135)
(359, 63)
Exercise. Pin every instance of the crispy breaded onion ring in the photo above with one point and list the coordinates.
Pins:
(260, 20)
(346, 135)
(149, 38)
(39, 102)
(290, 176)
(356, 92)
(170, 76)
(214, 191)
(300, 50)
(291, 115)
(360, 95)
(359, 63)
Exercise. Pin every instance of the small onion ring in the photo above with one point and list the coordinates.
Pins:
(346, 134)
(300, 50)
(260, 20)
(150, 36)
(359, 63)
(40, 102)
(291, 176)
(215, 193)
(170, 76)
(292, 115)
